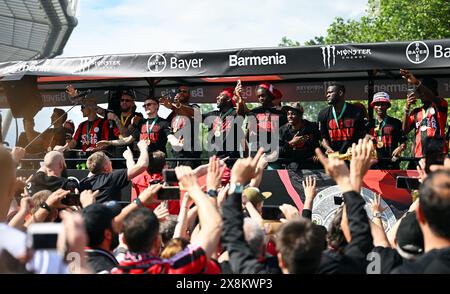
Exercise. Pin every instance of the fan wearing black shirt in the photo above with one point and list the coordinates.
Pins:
(298, 139)
(433, 216)
(265, 121)
(51, 176)
(224, 130)
(341, 124)
(109, 182)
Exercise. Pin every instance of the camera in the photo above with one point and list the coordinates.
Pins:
(43, 235)
(72, 185)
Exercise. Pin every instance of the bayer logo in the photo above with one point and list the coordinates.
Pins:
(417, 52)
(156, 63)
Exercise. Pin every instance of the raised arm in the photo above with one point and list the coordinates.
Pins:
(210, 220)
(142, 163)
(242, 259)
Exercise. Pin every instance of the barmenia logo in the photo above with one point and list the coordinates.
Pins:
(30, 66)
(234, 60)
(330, 53)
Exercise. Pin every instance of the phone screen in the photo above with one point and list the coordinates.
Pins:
(43, 235)
(407, 183)
(168, 193)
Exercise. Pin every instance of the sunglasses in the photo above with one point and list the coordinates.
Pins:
(126, 100)
(83, 106)
(149, 104)
(183, 91)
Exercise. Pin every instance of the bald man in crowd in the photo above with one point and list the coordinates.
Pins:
(51, 176)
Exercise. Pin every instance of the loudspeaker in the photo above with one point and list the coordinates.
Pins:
(23, 96)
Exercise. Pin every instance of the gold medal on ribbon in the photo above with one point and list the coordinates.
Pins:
(217, 133)
(380, 145)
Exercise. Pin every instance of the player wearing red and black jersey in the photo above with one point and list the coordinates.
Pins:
(341, 124)
(387, 133)
(224, 129)
(427, 121)
(92, 131)
(266, 120)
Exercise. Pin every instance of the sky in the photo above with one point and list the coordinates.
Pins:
(137, 26)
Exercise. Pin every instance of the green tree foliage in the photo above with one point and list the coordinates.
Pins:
(286, 42)
(394, 20)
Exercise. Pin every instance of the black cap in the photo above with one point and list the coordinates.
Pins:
(409, 235)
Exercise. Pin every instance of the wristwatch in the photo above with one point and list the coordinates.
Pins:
(377, 214)
(212, 193)
(235, 188)
(45, 206)
(138, 202)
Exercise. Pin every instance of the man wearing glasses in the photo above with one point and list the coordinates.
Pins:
(154, 130)
(127, 119)
(183, 116)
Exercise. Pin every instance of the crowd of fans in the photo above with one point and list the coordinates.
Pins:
(216, 226)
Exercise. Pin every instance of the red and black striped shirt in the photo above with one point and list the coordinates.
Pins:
(191, 260)
(428, 123)
(90, 132)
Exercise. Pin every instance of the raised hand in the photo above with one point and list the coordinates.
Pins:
(290, 212)
(214, 175)
(187, 177)
(337, 169)
(127, 154)
(409, 77)
(71, 91)
(166, 102)
(54, 200)
(375, 204)
(245, 168)
(309, 186)
(161, 212)
(87, 197)
(147, 196)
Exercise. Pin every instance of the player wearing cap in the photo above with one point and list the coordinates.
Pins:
(298, 139)
(389, 138)
(265, 120)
